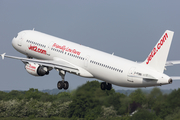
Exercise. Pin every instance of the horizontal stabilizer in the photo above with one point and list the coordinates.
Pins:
(171, 63)
(175, 77)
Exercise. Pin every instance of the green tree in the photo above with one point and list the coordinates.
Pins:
(3, 95)
(64, 97)
(162, 109)
(87, 101)
(174, 116)
(143, 114)
(154, 96)
(173, 99)
(138, 96)
(108, 112)
(125, 105)
(81, 105)
(32, 93)
(137, 100)
(115, 101)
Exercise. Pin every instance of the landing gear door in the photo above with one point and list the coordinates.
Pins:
(48, 51)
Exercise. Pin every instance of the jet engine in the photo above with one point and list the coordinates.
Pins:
(36, 69)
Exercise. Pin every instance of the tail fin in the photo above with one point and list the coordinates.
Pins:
(158, 56)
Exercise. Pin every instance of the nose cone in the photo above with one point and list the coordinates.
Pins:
(14, 43)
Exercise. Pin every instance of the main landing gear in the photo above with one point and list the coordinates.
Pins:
(62, 84)
(105, 85)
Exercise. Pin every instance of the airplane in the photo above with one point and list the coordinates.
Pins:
(45, 52)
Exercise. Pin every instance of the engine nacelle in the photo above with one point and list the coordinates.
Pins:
(36, 70)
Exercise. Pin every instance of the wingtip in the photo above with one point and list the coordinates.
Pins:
(2, 55)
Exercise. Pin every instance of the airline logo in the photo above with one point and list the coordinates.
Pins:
(67, 49)
(156, 48)
(36, 49)
(30, 67)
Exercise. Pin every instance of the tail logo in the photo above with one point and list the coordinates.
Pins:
(155, 50)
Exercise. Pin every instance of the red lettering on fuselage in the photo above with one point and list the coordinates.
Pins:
(156, 48)
(36, 49)
(67, 49)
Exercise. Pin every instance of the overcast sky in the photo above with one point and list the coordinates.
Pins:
(130, 29)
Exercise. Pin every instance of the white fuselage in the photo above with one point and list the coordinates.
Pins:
(100, 65)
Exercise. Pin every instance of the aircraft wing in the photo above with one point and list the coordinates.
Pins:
(58, 64)
(171, 63)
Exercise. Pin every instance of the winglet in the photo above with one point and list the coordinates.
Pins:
(2, 55)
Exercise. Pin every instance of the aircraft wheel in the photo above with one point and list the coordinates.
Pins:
(47, 73)
(109, 86)
(103, 85)
(66, 85)
(106, 86)
(60, 85)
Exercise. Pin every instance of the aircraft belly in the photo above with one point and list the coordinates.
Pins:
(116, 78)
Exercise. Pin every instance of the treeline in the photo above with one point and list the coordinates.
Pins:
(89, 102)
